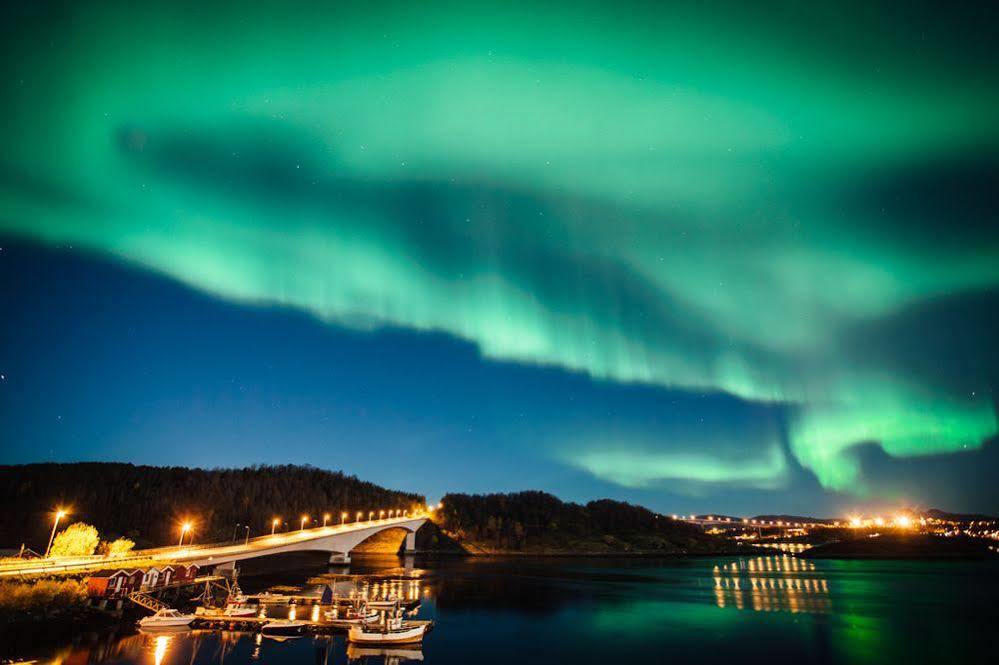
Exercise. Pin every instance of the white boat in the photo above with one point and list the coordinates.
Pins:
(394, 631)
(231, 611)
(166, 618)
(350, 617)
(389, 603)
(283, 628)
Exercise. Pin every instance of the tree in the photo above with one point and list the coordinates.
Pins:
(116, 548)
(77, 539)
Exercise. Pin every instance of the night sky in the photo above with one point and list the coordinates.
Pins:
(705, 256)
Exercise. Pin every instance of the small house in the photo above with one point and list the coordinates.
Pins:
(168, 574)
(151, 578)
(111, 584)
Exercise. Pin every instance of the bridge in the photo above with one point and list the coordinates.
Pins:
(335, 540)
(338, 541)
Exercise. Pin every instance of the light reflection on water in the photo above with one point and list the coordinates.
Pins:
(771, 608)
(771, 584)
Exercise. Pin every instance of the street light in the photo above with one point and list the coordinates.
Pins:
(247, 541)
(305, 518)
(184, 528)
(274, 524)
(381, 514)
(359, 514)
(326, 518)
(59, 515)
(343, 516)
(371, 516)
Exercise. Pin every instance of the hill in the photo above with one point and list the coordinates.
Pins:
(147, 503)
(539, 523)
(903, 546)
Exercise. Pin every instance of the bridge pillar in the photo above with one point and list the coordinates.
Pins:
(227, 569)
(340, 558)
(410, 541)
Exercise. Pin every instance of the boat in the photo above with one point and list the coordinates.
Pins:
(230, 611)
(236, 610)
(283, 628)
(394, 631)
(166, 618)
(389, 603)
(352, 616)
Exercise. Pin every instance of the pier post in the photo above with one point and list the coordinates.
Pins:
(411, 541)
(340, 558)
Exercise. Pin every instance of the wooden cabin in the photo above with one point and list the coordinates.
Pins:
(113, 584)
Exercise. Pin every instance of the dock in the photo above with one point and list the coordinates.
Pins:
(254, 624)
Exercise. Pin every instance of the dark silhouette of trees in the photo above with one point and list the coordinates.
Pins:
(147, 504)
(536, 521)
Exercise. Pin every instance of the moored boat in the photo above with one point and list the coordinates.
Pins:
(351, 616)
(166, 618)
(283, 628)
(393, 631)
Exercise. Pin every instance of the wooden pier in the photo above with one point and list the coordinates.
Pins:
(254, 624)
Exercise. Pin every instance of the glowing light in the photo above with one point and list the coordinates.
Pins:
(879, 521)
(903, 521)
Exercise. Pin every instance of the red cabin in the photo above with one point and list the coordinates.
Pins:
(114, 584)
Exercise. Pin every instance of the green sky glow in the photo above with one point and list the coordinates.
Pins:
(679, 197)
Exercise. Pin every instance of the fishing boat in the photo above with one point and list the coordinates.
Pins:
(394, 631)
(389, 603)
(166, 618)
(351, 616)
(236, 610)
(283, 628)
(230, 611)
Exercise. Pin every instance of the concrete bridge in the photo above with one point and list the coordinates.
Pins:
(337, 541)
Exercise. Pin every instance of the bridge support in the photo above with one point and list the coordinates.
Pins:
(226, 569)
(340, 558)
(410, 541)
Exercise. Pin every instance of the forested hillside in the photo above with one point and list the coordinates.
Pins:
(539, 522)
(147, 503)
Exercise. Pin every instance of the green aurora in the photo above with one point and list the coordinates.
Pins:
(704, 197)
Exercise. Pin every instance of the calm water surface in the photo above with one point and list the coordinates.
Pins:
(766, 609)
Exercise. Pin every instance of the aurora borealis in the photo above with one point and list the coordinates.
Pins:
(738, 253)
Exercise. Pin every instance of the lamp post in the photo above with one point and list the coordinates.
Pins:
(234, 529)
(381, 515)
(59, 515)
(247, 541)
(326, 518)
(371, 516)
(358, 516)
(184, 528)
(343, 516)
(274, 524)
(305, 518)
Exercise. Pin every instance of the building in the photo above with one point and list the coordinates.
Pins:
(118, 583)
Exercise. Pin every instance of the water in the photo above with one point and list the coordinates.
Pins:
(766, 609)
